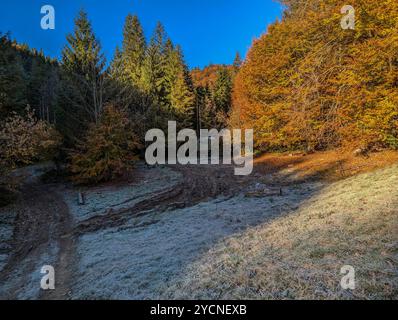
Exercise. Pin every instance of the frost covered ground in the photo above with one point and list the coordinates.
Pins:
(300, 254)
(101, 200)
(27, 277)
(202, 233)
(143, 258)
(7, 218)
(27, 175)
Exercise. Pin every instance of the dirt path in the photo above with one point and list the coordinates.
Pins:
(44, 222)
(199, 183)
(43, 218)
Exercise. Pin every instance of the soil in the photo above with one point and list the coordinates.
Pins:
(42, 221)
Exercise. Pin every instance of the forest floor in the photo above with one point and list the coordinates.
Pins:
(283, 232)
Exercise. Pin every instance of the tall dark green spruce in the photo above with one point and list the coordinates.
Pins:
(153, 68)
(81, 94)
(27, 77)
(125, 75)
(133, 51)
(153, 82)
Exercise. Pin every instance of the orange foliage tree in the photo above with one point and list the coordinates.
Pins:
(309, 84)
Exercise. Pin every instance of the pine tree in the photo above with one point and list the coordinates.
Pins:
(237, 61)
(133, 51)
(222, 95)
(178, 86)
(82, 56)
(13, 80)
(116, 67)
(153, 67)
(81, 97)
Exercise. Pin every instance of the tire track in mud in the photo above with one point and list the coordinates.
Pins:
(198, 183)
(42, 220)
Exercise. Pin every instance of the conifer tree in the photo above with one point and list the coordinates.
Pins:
(13, 80)
(178, 86)
(133, 51)
(153, 67)
(237, 61)
(222, 94)
(116, 66)
(81, 97)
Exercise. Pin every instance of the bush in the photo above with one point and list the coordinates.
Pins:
(108, 151)
(24, 140)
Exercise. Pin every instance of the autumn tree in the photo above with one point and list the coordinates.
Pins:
(108, 150)
(23, 140)
(309, 84)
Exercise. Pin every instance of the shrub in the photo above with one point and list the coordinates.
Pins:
(24, 140)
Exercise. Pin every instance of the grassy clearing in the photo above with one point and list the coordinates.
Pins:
(300, 255)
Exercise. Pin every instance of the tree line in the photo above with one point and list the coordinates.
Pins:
(101, 111)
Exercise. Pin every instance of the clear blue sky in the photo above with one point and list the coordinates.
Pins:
(209, 31)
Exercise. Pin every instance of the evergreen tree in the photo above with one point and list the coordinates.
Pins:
(133, 51)
(237, 61)
(222, 93)
(178, 86)
(153, 67)
(81, 97)
(116, 66)
(204, 108)
(13, 80)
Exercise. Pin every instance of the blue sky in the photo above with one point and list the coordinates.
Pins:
(209, 31)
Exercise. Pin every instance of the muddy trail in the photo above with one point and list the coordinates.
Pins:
(42, 221)
(198, 183)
